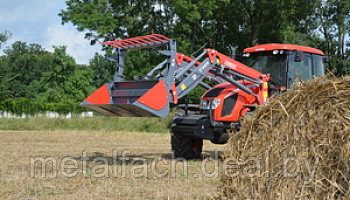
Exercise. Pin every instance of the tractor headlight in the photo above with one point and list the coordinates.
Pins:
(210, 104)
(205, 104)
(215, 103)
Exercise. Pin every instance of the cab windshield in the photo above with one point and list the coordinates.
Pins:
(269, 63)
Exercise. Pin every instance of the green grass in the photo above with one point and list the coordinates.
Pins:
(93, 123)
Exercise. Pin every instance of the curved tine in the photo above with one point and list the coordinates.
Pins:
(140, 39)
(162, 36)
(132, 39)
(130, 42)
(156, 38)
(148, 38)
(112, 43)
(115, 46)
(119, 45)
(124, 43)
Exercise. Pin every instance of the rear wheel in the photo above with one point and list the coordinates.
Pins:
(186, 147)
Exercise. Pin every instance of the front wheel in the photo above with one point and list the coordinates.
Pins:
(221, 138)
(186, 147)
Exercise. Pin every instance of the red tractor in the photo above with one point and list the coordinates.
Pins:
(237, 88)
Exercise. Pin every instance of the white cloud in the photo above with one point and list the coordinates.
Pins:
(37, 21)
(16, 11)
(77, 46)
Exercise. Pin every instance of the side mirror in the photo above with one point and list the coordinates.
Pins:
(297, 56)
(282, 89)
(233, 51)
(325, 59)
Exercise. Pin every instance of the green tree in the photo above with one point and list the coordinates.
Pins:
(102, 69)
(64, 80)
(221, 24)
(331, 22)
(4, 37)
(110, 19)
(29, 71)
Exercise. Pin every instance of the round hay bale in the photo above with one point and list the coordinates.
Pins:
(297, 146)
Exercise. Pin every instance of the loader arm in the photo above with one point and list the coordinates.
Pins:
(217, 67)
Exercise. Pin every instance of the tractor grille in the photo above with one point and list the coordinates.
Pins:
(229, 104)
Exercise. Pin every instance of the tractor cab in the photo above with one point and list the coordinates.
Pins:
(286, 63)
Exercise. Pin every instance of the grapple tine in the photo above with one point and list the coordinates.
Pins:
(142, 41)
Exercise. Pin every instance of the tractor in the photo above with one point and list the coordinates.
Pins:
(233, 89)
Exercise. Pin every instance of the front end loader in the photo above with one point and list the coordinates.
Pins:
(233, 89)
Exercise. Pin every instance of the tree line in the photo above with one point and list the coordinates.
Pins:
(33, 79)
(220, 24)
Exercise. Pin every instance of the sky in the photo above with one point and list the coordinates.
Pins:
(37, 21)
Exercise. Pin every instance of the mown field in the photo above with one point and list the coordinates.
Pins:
(88, 124)
(99, 164)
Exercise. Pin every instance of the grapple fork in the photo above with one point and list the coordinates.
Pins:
(144, 98)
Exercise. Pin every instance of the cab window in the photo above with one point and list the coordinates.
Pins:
(269, 63)
(303, 69)
(318, 65)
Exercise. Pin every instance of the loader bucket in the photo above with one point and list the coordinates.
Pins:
(130, 99)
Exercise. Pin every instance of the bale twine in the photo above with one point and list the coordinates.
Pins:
(295, 147)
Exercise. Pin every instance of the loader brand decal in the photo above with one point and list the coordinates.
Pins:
(230, 64)
(183, 87)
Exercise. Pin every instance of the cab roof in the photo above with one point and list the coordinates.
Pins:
(275, 46)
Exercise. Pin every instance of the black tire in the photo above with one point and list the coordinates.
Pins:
(184, 147)
(221, 138)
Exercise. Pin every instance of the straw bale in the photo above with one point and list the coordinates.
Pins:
(297, 146)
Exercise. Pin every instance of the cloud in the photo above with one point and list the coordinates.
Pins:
(37, 21)
(27, 20)
(15, 11)
(77, 45)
